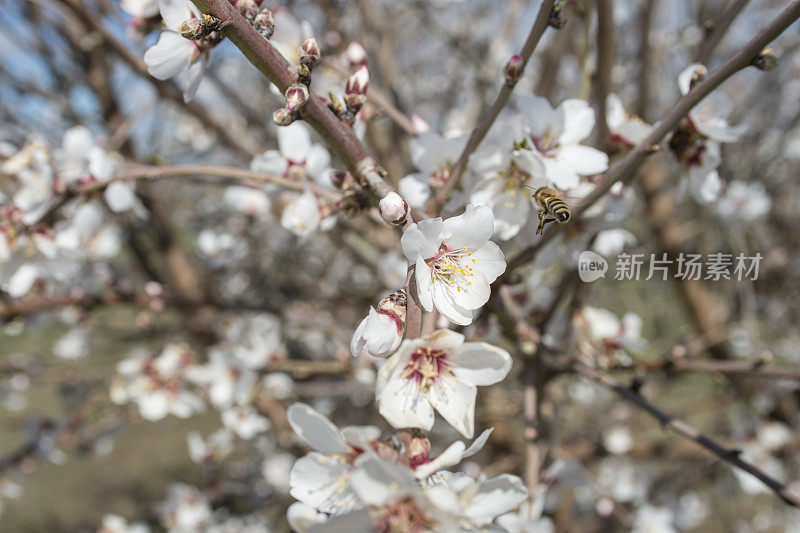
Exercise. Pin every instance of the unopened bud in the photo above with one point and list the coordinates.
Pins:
(309, 52)
(394, 305)
(356, 54)
(355, 90)
(699, 75)
(264, 23)
(766, 60)
(394, 209)
(248, 8)
(283, 117)
(513, 69)
(191, 29)
(342, 180)
(296, 96)
(416, 447)
(195, 28)
(557, 16)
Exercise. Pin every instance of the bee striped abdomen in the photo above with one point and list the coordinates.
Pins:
(558, 209)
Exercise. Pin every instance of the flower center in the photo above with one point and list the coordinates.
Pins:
(442, 174)
(452, 267)
(425, 366)
(514, 178)
(546, 143)
(402, 516)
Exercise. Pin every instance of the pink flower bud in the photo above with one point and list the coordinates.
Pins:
(513, 69)
(394, 209)
(296, 97)
(309, 52)
(355, 90)
(264, 23)
(356, 54)
(283, 117)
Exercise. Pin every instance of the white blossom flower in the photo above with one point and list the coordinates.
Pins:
(625, 130)
(301, 215)
(554, 137)
(113, 523)
(247, 200)
(652, 519)
(296, 156)
(74, 344)
(743, 202)
(529, 518)
(617, 440)
(186, 509)
(439, 372)
(475, 504)
(244, 421)
(173, 55)
(434, 157)
(709, 116)
(600, 332)
(156, 384)
(321, 478)
(381, 331)
(455, 262)
(212, 449)
(226, 378)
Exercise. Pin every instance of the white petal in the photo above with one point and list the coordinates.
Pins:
(270, 162)
(316, 430)
(401, 404)
(175, 12)
(561, 174)
(294, 142)
(361, 436)
(444, 340)
(321, 481)
(22, 281)
(469, 230)
(301, 517)
(455, 401)
(415, 189)
(540, 116)
(120, 196)
(378, 482)
(170, 56)
(481, 363)
(489, 260)
(422, 239)
(478, 444)
(422, 273)
(451, 456)
(496, 496)
(189, 81)
(444, 302)
(318, 161)
(586, 160)
(615, 112)
(530, 161)
(578, 121)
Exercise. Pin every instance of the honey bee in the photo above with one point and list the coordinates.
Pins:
(551, 207)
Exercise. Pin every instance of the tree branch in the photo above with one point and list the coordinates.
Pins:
(480, 131)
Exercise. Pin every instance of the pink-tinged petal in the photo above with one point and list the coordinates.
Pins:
(294, 141)
(315, 429)
(585, 160)
(481, 363)
(170, 56)
(444, 303)
(561, 174)
(578, 121)
(496, 496)
(469, 230)
(422, 239)
(455, 401)
(402, 405)
(424, 284)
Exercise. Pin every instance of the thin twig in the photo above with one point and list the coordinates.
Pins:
(624, 170)
(480, 131)
(729, 455)
(720, 28)
(756, 369)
